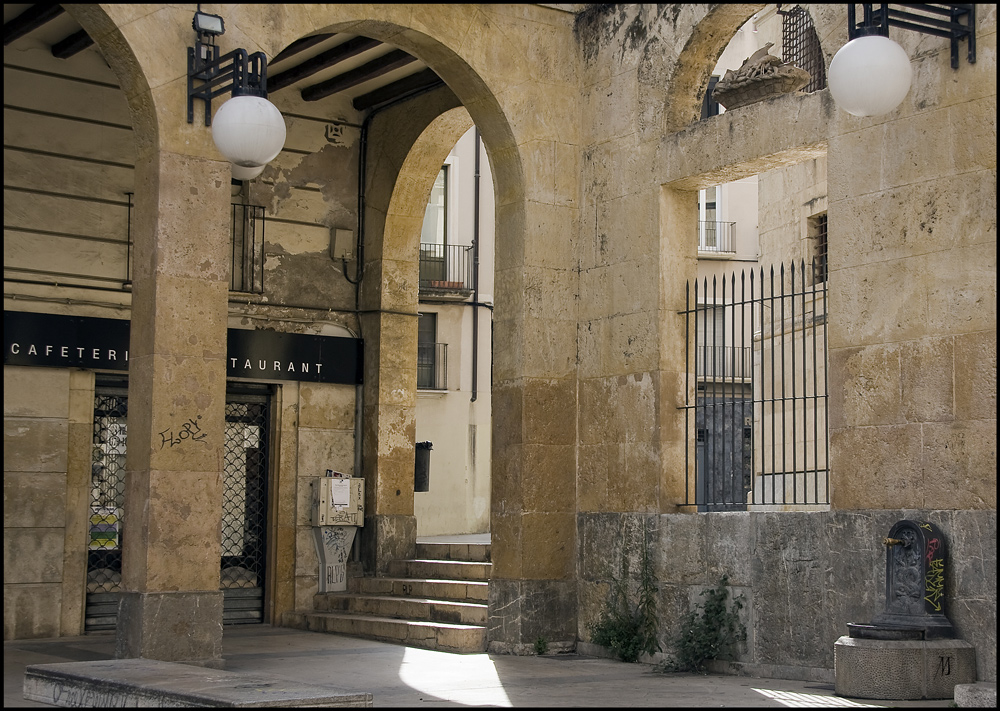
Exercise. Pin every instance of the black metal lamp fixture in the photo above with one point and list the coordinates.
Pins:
(248, 129)
(871, 74)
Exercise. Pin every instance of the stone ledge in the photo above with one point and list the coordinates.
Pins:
(148, 682)
(982, 694)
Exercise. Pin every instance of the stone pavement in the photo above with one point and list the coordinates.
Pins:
(400, 676)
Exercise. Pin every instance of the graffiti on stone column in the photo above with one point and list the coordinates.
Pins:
(190, 430)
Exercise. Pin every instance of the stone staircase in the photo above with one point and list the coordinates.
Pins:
(435, 601)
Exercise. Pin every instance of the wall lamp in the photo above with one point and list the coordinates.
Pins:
(871, 74)
(248, 129)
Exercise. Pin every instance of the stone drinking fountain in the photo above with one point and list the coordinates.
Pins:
(909, 650)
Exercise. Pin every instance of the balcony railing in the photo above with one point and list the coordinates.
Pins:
(432, 366)
(445, 267)
(724, 361)
(716, 237)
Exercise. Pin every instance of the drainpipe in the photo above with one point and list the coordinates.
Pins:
(475, 279)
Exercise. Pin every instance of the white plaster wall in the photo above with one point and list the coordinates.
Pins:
(459, 428)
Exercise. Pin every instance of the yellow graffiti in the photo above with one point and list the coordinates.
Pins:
(935, 583)
(926, 525)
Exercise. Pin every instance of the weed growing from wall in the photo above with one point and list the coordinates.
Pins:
(628, 626)
(707, 632)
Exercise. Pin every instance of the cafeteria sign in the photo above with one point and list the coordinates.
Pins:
(50, 340)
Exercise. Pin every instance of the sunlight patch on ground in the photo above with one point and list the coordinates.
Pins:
(434, 674)
(793, 698)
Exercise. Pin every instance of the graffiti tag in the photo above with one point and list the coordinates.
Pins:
(935, 583)
(189, 430)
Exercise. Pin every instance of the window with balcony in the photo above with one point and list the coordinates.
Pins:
(444, 268)
(714, 235)
(432, 357)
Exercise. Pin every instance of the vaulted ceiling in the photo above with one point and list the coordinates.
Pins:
(365, 71)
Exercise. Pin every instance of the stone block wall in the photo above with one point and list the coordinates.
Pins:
(35, 444)
(803, 577)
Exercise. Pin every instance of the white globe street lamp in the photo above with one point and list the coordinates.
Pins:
(870, 76)
(249, 131)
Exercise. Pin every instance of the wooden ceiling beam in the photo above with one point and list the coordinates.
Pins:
(323, 60)
(300, 45)
(68, 46)
(31, 19)
(397, 89)
(372, 70)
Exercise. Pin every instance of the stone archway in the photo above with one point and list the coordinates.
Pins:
(402, 220)
(490, 65)
(689, 78)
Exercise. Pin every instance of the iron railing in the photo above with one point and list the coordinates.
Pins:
(247, 254)
(725, 361)
(757, 428)
(247, 265)
(716, 236)
(432, 366)
(801, 46)
(446, 267)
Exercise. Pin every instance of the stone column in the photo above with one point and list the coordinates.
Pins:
(533, 522)
(171, 605)
(389, 431)
(389, 417)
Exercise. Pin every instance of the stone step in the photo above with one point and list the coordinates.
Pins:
(459, 590)
(439, 569)
(475, 552)
(441, 636)
(410, 608)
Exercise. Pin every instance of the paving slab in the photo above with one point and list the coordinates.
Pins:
(122, 683)
(399, 676)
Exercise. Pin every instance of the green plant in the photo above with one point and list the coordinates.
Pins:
(629, 628)
(708, 631)
(541, 645)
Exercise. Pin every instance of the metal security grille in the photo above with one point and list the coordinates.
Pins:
(432, 366)
(248, 248)
(758, 420)
(107, 495)
(817, 231)
(244, 505)
(244, 508)
(801, 45)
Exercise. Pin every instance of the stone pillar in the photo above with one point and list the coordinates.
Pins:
(533, 522)
(171, 606)
(389, 425)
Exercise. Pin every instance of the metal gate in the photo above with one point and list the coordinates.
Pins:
(107, 494)
(757, 424)
(244, 505)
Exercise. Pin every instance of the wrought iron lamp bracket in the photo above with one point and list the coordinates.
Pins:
(237, 72)
(954, 22)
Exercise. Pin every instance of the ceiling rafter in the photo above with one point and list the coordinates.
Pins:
(321, 61)
(300, 45)
(31, 19)
(68, 46)
(377, 91)
(397, 89)
(372, 70)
